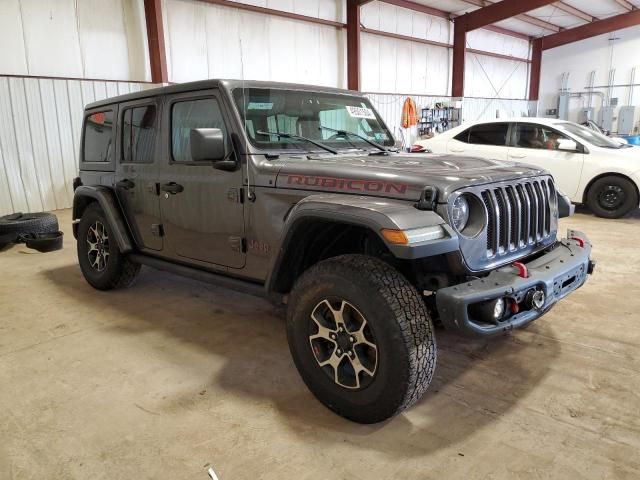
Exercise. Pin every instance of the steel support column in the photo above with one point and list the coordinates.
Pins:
(458, 63)
(155, 39)
(534, 74)
(353, 44)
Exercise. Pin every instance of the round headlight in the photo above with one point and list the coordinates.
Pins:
(460, 213)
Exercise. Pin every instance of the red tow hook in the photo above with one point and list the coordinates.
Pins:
(579, 240)
(523, 272)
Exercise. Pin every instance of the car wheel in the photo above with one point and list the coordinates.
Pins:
(361, 337)
(612, 197)
(101, 262)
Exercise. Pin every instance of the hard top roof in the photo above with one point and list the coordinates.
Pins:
(214, 83)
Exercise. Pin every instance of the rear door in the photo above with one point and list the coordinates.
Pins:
(485, 140)
(202, 209)
(537, 144)
(136, 181)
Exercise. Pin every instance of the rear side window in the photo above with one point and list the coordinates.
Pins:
(464, 136)
(139, 134)
(489, 134)
(190, 114)
(98, 137)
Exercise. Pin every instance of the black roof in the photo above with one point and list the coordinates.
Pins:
(204, 84)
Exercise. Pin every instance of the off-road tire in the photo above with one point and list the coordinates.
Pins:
(119, 271)
(597, 203)
(401, 325)
(23, 223)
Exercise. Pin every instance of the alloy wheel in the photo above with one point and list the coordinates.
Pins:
(343, 343)
(98, 246)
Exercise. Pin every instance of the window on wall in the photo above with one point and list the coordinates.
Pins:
(190, 114)
(98, 137)
(489, 134)
(139, 134)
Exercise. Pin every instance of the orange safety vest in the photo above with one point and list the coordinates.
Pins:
(409, 113)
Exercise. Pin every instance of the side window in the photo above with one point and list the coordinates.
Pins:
(98, 137)
(529, 135)
(138, 134)
(189, 114)
(464, 136)
(489, 134)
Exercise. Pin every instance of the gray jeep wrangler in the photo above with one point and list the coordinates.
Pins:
(296, 193)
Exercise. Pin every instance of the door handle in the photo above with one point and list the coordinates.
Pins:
(456, 150)
(171, 187)
(516, 156)
(125, 184)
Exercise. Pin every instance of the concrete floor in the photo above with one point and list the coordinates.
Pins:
(171, 376)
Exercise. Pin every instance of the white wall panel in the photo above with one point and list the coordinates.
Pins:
(73, 38)
(13, 59)
(498, 43)
(494, 77)
(40, 126)
(393, 65)
(212, 41)
(334, 10)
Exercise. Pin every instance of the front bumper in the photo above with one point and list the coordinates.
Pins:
(560, 271)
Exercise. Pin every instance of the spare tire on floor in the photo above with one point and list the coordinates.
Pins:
(17, 227)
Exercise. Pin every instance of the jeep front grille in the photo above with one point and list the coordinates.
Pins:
(518, 215)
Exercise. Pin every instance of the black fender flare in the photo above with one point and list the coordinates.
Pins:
(105, 197)
(372, 213)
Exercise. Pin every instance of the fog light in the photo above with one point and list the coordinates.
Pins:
(535, 299)
(491, 311)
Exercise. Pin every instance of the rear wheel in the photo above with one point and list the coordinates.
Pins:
(101, 262)
(361, 337)
(612, 197)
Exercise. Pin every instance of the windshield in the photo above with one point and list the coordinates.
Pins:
(314, 115)
(588, 135)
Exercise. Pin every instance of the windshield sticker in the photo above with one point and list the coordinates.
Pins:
(260, 106)
(360, 112)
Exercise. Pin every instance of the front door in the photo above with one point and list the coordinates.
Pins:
(137, 171)
(202, 209)
(537, 144)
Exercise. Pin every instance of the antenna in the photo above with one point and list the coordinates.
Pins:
(250, 195)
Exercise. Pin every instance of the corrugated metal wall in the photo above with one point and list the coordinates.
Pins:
(40, 125)
(390, 108)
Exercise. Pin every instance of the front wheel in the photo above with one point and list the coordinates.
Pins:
(361, 337)
(612, 197)
(101, 262)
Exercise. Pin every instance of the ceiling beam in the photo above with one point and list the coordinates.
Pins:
(503, 10)
(626, 5)
(599, 27)
(522, 17)
(418, 7)
(566, 8)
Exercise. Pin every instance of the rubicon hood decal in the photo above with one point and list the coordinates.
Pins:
(354, 185)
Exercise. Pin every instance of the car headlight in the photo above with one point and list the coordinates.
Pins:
(460, 213)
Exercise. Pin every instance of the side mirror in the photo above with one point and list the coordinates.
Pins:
(207, 144)
(567, 145)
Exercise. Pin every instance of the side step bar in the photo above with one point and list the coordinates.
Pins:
(224, 281)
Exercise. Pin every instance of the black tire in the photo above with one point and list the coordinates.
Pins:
(115, 270)
(612, 197)
(397, 323)
(23, 223)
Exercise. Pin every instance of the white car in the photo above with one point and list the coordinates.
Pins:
(588, 167)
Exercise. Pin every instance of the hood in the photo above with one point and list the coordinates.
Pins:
(396, 175)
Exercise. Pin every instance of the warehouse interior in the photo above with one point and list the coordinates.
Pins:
(176, 378)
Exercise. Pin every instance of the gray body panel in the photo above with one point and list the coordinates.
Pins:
(240, 221)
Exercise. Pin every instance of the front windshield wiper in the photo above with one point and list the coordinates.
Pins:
(346, 133)
(298, 137)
